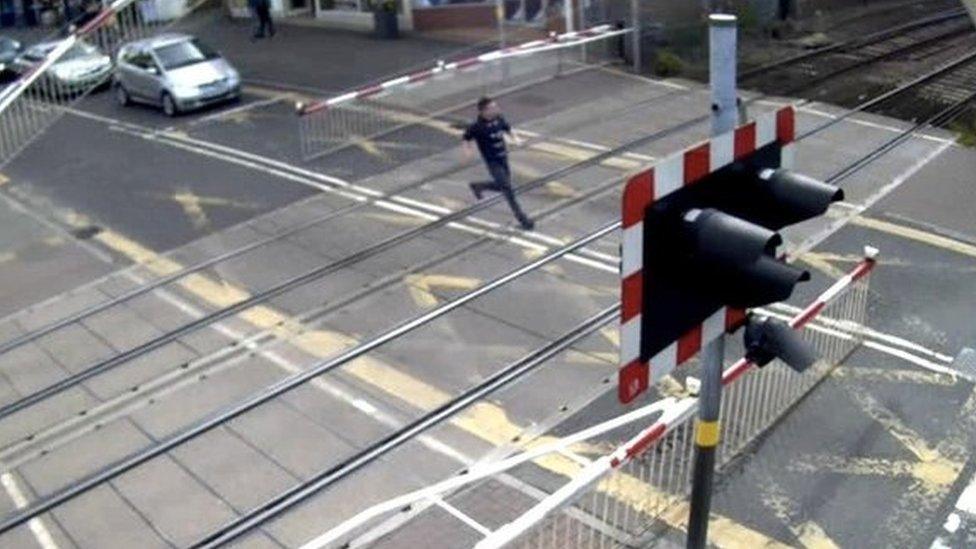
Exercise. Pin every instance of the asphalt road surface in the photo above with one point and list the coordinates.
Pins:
(133, 188)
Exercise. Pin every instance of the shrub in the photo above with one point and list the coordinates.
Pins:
(966, 130)
(666, 63)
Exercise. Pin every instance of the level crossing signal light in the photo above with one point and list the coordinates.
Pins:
(709, 250)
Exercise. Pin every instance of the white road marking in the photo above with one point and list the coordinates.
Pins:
(36, 525)
(353, 191)
(662, 83)
(242, 108)
(856, 121)
(875, 125)
(888, 339)
(884, 191)
(456, 513)
(320, 382)
(834, 329)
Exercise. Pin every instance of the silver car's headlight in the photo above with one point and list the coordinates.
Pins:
(185, 91)
(62, 73)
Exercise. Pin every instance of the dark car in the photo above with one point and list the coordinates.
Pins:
(9, 50)
(80, 68)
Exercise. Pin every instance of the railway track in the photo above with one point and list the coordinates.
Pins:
(28, 456)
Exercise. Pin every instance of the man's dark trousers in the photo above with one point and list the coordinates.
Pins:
(265, 24)
(502, 183)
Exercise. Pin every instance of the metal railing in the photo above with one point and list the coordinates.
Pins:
(423, 98)
(615, 499)
(648, 477)
(39, 97)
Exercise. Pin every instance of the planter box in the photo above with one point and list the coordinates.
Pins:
(454, 17)
(386, 25)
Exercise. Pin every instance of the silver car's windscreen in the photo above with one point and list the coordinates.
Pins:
(181, 54)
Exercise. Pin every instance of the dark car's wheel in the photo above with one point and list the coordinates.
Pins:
(122, 96)
(169, 105)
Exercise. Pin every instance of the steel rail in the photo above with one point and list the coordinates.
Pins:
(277, 389)
(367, 201)
(108, 364)
(856, 43)
(300, 492)
(288, 499)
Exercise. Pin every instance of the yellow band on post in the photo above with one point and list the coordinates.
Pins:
(706, 433)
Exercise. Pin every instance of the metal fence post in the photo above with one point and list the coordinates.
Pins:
(635, 23)
(722, 48)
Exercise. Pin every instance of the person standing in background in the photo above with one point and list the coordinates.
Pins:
(262, 11)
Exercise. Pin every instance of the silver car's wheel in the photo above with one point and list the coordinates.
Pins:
(121, 95)
(169, 105)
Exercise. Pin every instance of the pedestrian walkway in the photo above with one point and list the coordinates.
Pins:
(310, 57)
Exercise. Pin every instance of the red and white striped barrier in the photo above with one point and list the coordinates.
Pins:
(653, 184)
(813, 309)
(601, 31)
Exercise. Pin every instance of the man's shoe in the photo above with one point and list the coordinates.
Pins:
(527, 224)
(475, 190)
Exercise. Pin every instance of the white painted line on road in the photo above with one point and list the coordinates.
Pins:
(834, 329)
(662, 83)
(231, 156)
(231, 112)
(842, 220)
(36, 525)
(319, 383)
(466, 519)
(308, 178)
(865, 331)
(874, 125)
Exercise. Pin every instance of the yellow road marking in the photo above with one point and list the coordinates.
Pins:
(581, 154)
(821, 262)
(917, 235)
(895, 376)
(812, 536)
(421, 286)
(193, 204)
(911, 440)
(397, 219)
(369, 147)
(934, 470)
(561, 190)
(7, 257)
(612, 335)
(808, 533)
(593, 357)
(484, 420)
(934, 476)
(554, 148)
(4, 179)
(267, 93)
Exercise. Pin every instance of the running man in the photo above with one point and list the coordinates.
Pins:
(489, 131)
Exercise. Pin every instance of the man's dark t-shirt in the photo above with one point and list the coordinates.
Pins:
(490, 136)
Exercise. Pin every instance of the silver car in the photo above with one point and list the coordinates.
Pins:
(176, 72)
(80, 68)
